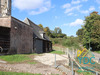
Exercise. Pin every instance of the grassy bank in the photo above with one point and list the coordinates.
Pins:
(85, 73)
(57, 52)
(97, 52)
(14, 73)
(15, 58)
(70, 42)
(19, 58)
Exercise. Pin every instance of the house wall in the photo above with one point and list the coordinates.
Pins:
(21, 37)
(38, 46)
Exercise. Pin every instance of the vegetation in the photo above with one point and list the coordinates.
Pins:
(70, 42)
(85, 73)
(90, 32)
(32, 62)
(97, 52)
(57, 52)
(14, 73)
(57, 37)
(56, 33)
(15, 58)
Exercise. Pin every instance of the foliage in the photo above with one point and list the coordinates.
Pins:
(80, 34)
(69, 42)
(57, 30)
(47, 31)
(56, 33)
(90, 32)
(14, 58)
(40, 25)
(14, 73)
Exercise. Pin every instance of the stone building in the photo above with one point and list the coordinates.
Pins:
(17, 37)
(5, 8)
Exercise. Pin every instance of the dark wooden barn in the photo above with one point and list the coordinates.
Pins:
(41, 41)
(15, 36)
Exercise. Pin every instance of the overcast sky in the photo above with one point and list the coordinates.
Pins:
(66, 14)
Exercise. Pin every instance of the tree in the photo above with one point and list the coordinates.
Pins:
(90, 32)
(47, 31)
(95, 34)
(57, 30)
(80, 34)
(40, 25)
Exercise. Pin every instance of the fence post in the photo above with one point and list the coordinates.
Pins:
(96, 73)
(55, 61)
(72, 68)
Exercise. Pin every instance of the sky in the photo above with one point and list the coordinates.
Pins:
(69, 15)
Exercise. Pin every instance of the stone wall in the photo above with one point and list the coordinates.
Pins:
(5, 22)
(5, 8)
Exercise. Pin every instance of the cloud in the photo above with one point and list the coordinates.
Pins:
(74, 5)
(70, 14)
(84, 11)
(77, 22)
(34, 6)
(91, 8)
(75, 2)
(66, 5)
(78, 1)
(73, 8)
(84, 0)
(98, 1)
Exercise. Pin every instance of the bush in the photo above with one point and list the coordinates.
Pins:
(70, 42)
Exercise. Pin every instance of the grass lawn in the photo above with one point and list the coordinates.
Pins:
(14, 73)
(57, 52)
(15, 58)
(85, 73)
(97, 52)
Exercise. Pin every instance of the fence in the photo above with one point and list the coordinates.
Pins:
(71, 54)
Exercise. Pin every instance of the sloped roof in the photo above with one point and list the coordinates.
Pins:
(36, 29)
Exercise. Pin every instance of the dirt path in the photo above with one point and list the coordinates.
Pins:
(29, 68)
(45, 65)
(49, 59)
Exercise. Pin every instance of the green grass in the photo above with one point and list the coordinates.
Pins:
(14, 73)
(57, 52)
(15, 58)
(85, 73)
(32, 63)
(97, 52)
